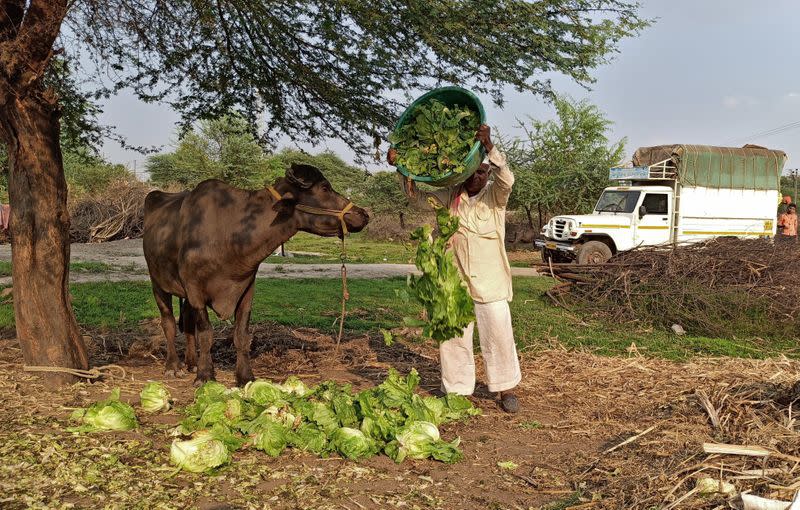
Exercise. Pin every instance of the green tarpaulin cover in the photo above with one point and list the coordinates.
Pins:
(748, 167)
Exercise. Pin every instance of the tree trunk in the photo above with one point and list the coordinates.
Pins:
(402, 220)
(541, 218)
(530, 219)
(46, 326)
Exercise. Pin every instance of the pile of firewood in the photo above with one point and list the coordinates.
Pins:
(723, 287)
(115, 213)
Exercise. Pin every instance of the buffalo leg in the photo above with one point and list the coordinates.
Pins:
(205, 337)
(242, 337)
(164, 303)
(189, 330)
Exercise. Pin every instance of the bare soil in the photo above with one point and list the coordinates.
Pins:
(574, 407)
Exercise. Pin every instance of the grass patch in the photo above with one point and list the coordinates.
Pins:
(360, 250)
(373, 305)
(75, 267)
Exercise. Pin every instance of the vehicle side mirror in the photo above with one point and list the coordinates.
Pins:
(642, 211)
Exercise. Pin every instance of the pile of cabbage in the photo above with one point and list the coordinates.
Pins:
(328, 419)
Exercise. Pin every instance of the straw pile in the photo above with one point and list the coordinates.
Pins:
(722, 287)
(115, 213)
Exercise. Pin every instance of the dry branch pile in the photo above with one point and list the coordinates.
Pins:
(722, 287)
(115, 213)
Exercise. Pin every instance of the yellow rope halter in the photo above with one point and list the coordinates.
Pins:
(318, 210)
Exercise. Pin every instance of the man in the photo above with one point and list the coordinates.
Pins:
(479, 249)
(784, 204)
(787, 223)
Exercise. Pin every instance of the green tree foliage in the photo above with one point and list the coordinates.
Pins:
(384, 195)
(326, 68)
(346, 179)
(89, 173)
(562, 165)
(225, 149)
(222, 148)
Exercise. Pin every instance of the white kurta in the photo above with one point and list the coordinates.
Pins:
(479, 249)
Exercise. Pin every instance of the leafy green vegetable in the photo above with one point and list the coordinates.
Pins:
(270, 437)
(353, 444)
(421, 440)
(319, 414)
(264, 392)
(155, 397)
(106, 415)
(293, 385)
(440, 289)
(309, 437)
(390, 417)
(508, 464)
(436, 140)
(201, 453)
(396, 389)
(458, 407)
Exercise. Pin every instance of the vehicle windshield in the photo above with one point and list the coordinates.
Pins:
(617, 201)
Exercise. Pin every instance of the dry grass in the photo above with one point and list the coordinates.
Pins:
(594, 432)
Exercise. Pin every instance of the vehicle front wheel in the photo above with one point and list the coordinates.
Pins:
(594, 252)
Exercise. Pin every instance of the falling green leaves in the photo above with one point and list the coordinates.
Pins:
(440, 289)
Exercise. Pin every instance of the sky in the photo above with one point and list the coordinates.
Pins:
(715, 72)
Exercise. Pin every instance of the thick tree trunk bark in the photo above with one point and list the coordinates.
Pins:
(46, 326)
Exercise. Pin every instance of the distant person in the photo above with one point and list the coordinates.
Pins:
(787, 223)
(784, 204)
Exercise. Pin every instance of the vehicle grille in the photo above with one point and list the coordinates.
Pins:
(560, 230)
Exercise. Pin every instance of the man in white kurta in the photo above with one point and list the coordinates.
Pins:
(479, 249)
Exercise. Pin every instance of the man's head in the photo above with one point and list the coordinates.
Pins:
(478, 180)
(787, 199)
(792, 209)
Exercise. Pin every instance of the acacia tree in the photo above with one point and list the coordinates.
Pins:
(313, 69)
(562, 165)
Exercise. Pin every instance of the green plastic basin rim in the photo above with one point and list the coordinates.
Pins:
(477, 147)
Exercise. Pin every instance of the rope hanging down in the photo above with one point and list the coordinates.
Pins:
(345, 293)
(92, 373)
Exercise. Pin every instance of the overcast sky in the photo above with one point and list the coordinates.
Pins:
(710, 72)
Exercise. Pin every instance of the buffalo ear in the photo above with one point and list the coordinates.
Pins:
(287, 202)
(303, 176)
(284, 208)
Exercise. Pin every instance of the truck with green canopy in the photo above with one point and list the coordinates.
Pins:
(673, 194)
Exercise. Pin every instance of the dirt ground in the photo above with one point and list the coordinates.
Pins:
(577, 409)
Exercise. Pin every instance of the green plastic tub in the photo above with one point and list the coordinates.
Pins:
(449, 96)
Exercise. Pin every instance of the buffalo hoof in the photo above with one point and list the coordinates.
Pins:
(202, 377)
(178, 373)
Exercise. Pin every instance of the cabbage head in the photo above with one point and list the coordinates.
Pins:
(155, 397)
(308, 437)
(264, 392)
(106, 415)
(353, 444)
(270, 437)
(294, 386)
(421, 440)
(201, 453)
(397, 390)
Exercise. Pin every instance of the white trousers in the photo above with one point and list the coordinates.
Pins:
(497, 347)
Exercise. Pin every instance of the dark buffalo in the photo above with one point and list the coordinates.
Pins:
(205, 246)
